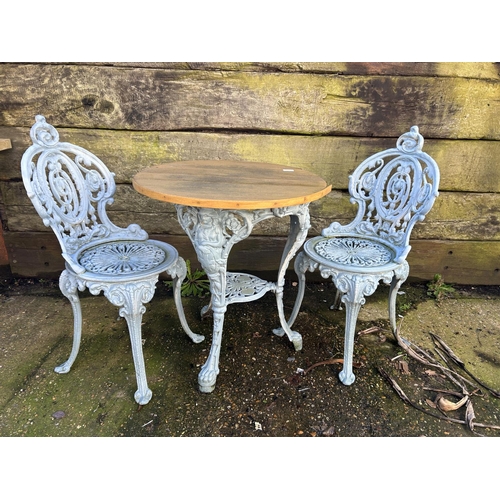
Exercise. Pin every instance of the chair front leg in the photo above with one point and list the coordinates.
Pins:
(130, 298)
(69, 286)
(354, 289)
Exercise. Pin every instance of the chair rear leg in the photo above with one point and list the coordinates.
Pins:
(300, 266)
(397, 280)
(69, 287)
(178, 274)
(337, 302)
(393, 293)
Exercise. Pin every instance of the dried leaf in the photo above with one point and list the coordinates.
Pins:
(460, 363)
(448, 350)
(406, 345)
(325, 430)
(330, 432)
(446, 391)
(395, 386)
(431, 403)
(447, 405)
(372, 329)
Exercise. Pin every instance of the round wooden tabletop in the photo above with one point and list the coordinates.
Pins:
(230, 184)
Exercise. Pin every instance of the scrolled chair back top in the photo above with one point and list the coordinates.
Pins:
(70, 188)
(393, 189)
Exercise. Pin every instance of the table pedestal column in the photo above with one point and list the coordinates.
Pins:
(213, 233)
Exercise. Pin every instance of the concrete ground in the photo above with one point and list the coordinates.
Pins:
(264, 388)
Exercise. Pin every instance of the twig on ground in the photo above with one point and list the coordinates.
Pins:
(327, 362)
(469, 412)
(449, 352)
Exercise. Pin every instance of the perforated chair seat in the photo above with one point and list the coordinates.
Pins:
(363, 255)
(126, 259)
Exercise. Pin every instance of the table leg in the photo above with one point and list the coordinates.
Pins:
(213, 232)
(299, 226)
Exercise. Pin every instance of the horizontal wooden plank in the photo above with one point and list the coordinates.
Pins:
(157, 99)
(5, 144)
(4, 256)
(488, 70)
(465, 165)
(454, 216)
(460, 262)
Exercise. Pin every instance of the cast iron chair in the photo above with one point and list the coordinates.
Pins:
(394, 189)
(70, 189)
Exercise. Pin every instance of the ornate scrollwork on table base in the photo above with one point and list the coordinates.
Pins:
(213, 232)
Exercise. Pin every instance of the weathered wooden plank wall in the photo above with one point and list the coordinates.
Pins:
(325, 117)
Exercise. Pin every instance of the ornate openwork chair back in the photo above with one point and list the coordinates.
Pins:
(70, 189)
(393, 189)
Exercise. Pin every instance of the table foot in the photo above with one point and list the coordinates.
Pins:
(207, 379)
(279, 332)
(64, 368)
(295, 337)
(297, 342)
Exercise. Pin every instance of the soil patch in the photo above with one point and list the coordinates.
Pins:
(265, 387)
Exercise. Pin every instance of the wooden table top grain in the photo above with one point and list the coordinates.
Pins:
(230, 184)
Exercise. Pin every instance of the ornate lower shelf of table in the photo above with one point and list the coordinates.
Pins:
(241, 287)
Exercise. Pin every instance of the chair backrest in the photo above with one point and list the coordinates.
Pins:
(393, 189)
(70, 189)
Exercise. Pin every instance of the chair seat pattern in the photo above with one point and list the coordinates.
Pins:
(351, 251)
(122, 257)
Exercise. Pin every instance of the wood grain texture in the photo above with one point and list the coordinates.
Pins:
(5, 144)
(454, 216)
(230, 185)
(300, 103)
(324, 117)
(484, 70)
(468, 166)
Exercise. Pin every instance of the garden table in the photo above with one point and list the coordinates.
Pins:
(218, 203)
